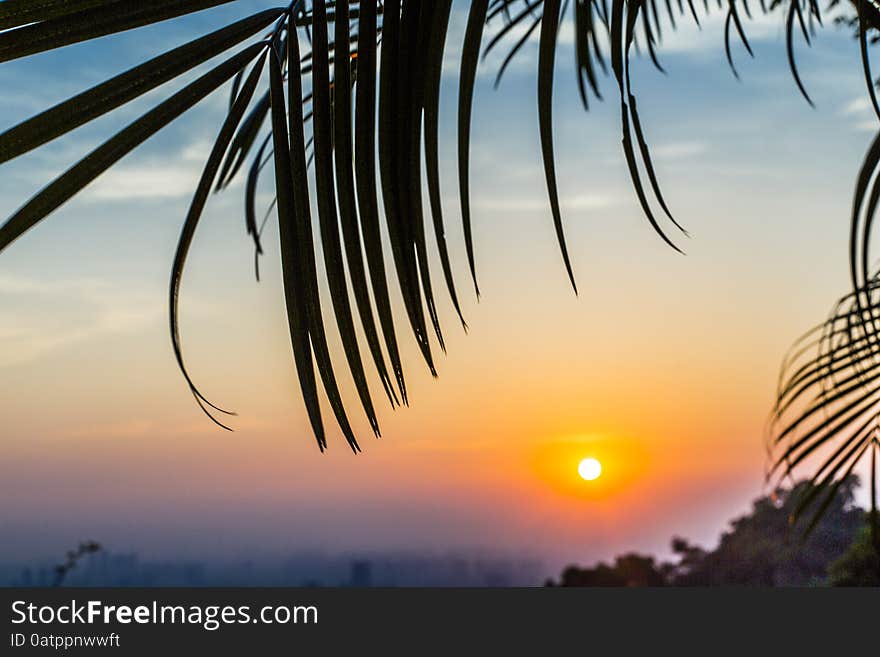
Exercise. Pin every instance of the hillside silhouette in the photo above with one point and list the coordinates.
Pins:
(762, 548)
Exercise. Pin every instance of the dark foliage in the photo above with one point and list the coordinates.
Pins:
(860, 564)
(72, 558)
(761, 548)
(631, 570)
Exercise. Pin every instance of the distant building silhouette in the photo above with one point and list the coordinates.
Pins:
(310, 569)
(361, 574)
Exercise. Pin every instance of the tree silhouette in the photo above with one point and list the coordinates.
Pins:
(760, 548)
(72, 558)
(380, 68)
(859, 565)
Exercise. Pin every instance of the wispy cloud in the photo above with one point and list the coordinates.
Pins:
(47, 316)
(709, 36)
(868, 125)
(174, 175)
(861, 111)
(679, 150)
(148, 181)
(858, 105)
(536, 203)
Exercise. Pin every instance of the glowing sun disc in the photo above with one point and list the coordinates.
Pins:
(589, 469)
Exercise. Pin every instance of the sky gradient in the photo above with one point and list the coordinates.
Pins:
(664, 367)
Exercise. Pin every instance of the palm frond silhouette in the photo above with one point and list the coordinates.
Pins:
(359, 103)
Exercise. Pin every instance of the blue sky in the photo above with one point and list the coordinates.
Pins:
(690, 344)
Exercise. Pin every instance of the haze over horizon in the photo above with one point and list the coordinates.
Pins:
(664, 367)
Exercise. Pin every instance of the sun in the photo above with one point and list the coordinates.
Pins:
(589, 469)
